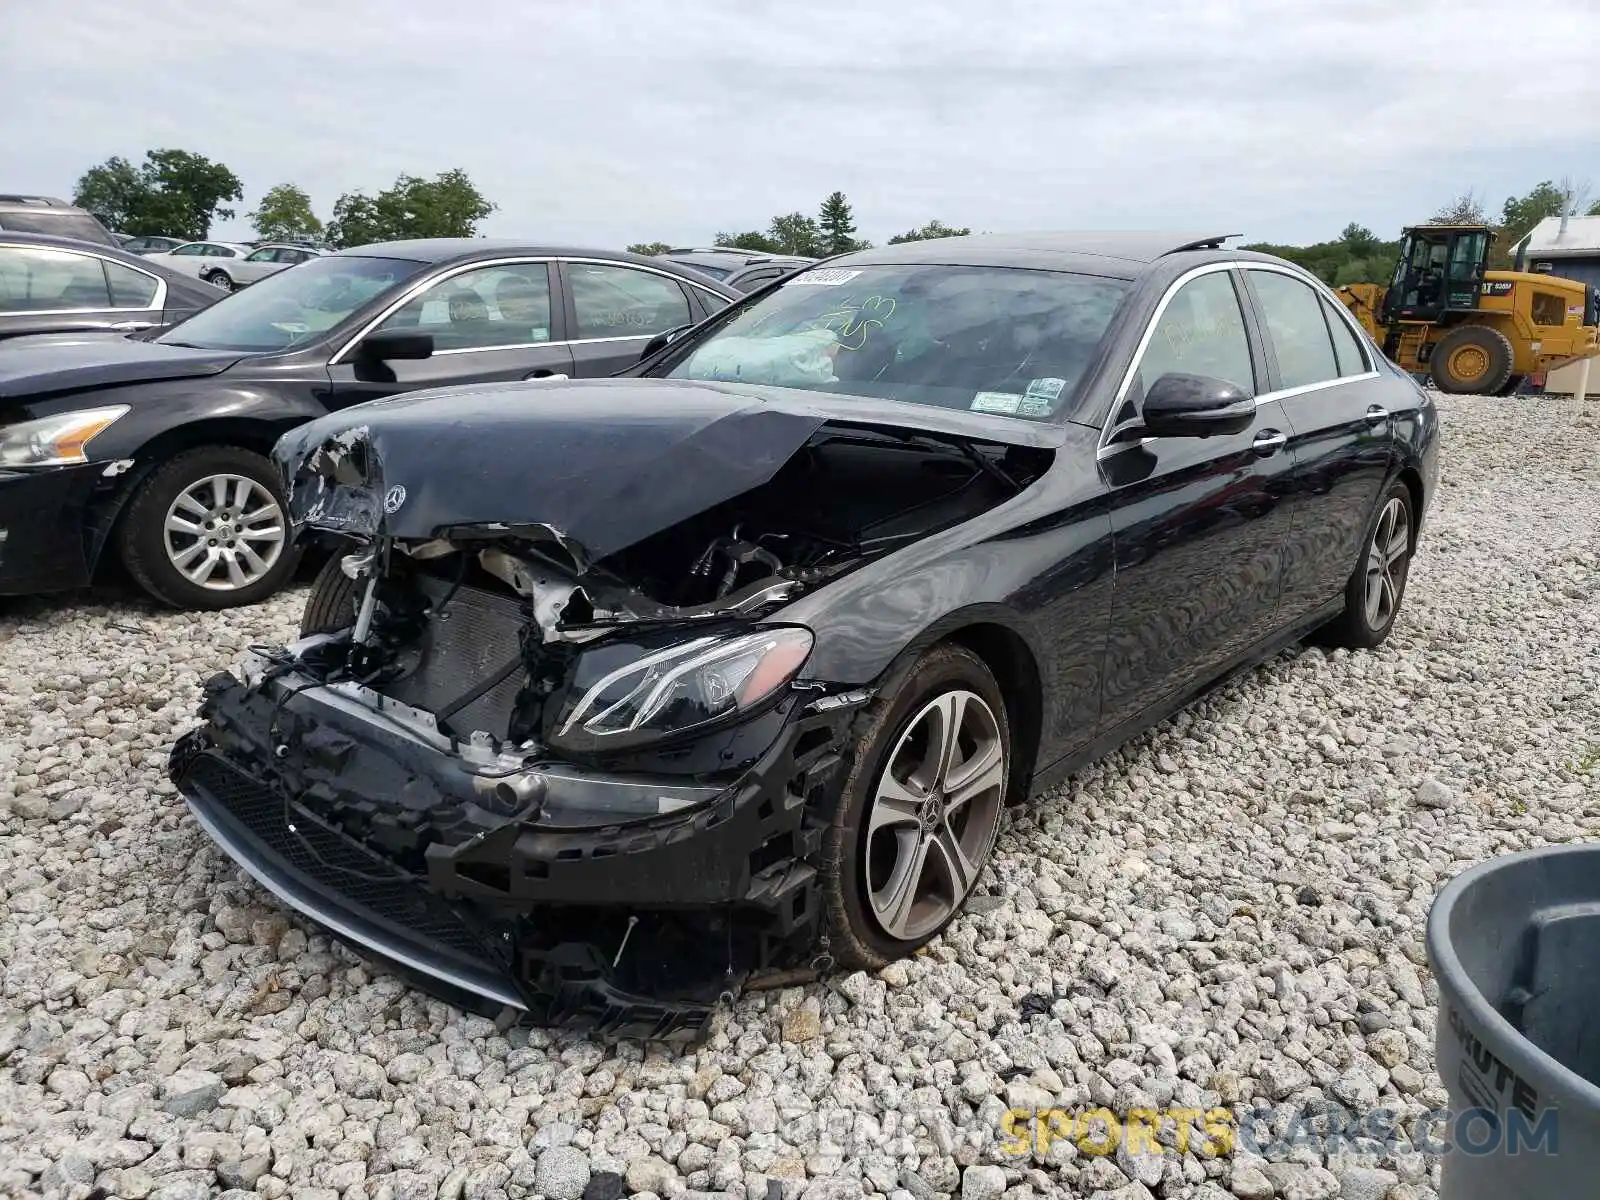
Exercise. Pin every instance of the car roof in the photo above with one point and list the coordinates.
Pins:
(1123, 254)
(26, 238)
(442, 250)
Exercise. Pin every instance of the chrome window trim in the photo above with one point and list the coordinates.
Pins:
(632, 337)
(157, 304)
(1104, 447)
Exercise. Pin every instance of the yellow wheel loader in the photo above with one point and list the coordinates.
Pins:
(1475, 331)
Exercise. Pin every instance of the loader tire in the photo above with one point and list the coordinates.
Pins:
(1472, 360)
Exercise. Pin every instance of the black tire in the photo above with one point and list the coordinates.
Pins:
(141, 536)
(1472, 344)
(1356, 628)
(334, 599)
(856, 939)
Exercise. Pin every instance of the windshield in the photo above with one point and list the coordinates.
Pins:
(988, 339)
(291, 307)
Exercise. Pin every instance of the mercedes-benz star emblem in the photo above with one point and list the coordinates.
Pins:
(395, 498)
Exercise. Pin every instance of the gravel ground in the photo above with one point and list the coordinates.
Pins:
(1227, 912)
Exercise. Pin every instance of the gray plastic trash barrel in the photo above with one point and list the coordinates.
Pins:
(1515, 946)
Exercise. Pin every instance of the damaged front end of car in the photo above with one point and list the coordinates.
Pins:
(569, 766)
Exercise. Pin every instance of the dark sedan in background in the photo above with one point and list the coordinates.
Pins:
(742, 270)
(157, 446)
(62, 285)
(633, 687)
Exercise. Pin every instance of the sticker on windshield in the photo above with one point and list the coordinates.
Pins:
(1048, 388)
(826, 277)
(997, 402)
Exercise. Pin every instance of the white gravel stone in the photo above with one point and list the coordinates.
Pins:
(1229, 909)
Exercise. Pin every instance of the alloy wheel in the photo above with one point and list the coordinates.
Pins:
(224, 532)
(934, 815)
(1386, 557)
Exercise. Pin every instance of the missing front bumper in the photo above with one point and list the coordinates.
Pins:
(632, 930)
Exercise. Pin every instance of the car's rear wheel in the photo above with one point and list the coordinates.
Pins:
(333, 601)
(208, 530)
(920, 810)
(219, 279)
(1377, 586)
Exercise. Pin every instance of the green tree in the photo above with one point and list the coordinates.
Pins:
(448, 205)
(1464, 209)
(933, 229)
(1361, 240)
(285, 215)
(753, 240)
(649, 249)
(837, 226)
(796, 233)
(173, 193)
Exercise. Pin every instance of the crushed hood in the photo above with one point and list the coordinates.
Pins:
(65, 363)
(599, 464)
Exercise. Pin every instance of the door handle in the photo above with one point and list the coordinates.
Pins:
(1269, 441)
(1377, 414)
(542, 374)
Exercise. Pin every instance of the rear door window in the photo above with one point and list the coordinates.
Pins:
(130, 288)
(612, 301)
(1293, 315)
(1352, 361)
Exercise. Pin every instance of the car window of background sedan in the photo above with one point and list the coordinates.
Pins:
(34, 279)
(989, 339)
(505, 305)
(267, 255)
(1200, 332)
(130, 288)
(1299, 332)
(193, 248)
(622, 302)
(290, 307)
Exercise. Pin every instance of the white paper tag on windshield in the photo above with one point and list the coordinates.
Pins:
(997, 402)
(825, 277)
(1048, 388)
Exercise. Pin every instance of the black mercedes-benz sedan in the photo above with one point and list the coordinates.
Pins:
(156, 446)
(636, 691)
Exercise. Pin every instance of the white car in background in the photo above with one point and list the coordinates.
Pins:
(201, 258)
(266, 259)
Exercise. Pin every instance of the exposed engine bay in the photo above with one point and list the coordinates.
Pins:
(584, 785)
(524, 599)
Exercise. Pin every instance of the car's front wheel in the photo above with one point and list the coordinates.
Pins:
(334, 599)
(208, 529)
(1378, 584)
(920, 810)
(219, 279)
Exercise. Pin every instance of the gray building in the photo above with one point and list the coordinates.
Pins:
(1573, 252)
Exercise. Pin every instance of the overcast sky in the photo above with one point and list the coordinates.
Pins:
(631, 120)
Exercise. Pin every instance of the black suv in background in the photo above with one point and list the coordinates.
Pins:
(49, 215)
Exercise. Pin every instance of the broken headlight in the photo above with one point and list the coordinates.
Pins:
(627, 694)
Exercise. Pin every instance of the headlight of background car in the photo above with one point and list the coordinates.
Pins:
(624, 695)
(58, 441)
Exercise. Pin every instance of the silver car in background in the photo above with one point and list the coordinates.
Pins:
(267, 259)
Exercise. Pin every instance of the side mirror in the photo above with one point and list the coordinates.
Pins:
(390, 344)
(1179, 405)
(662, 340)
